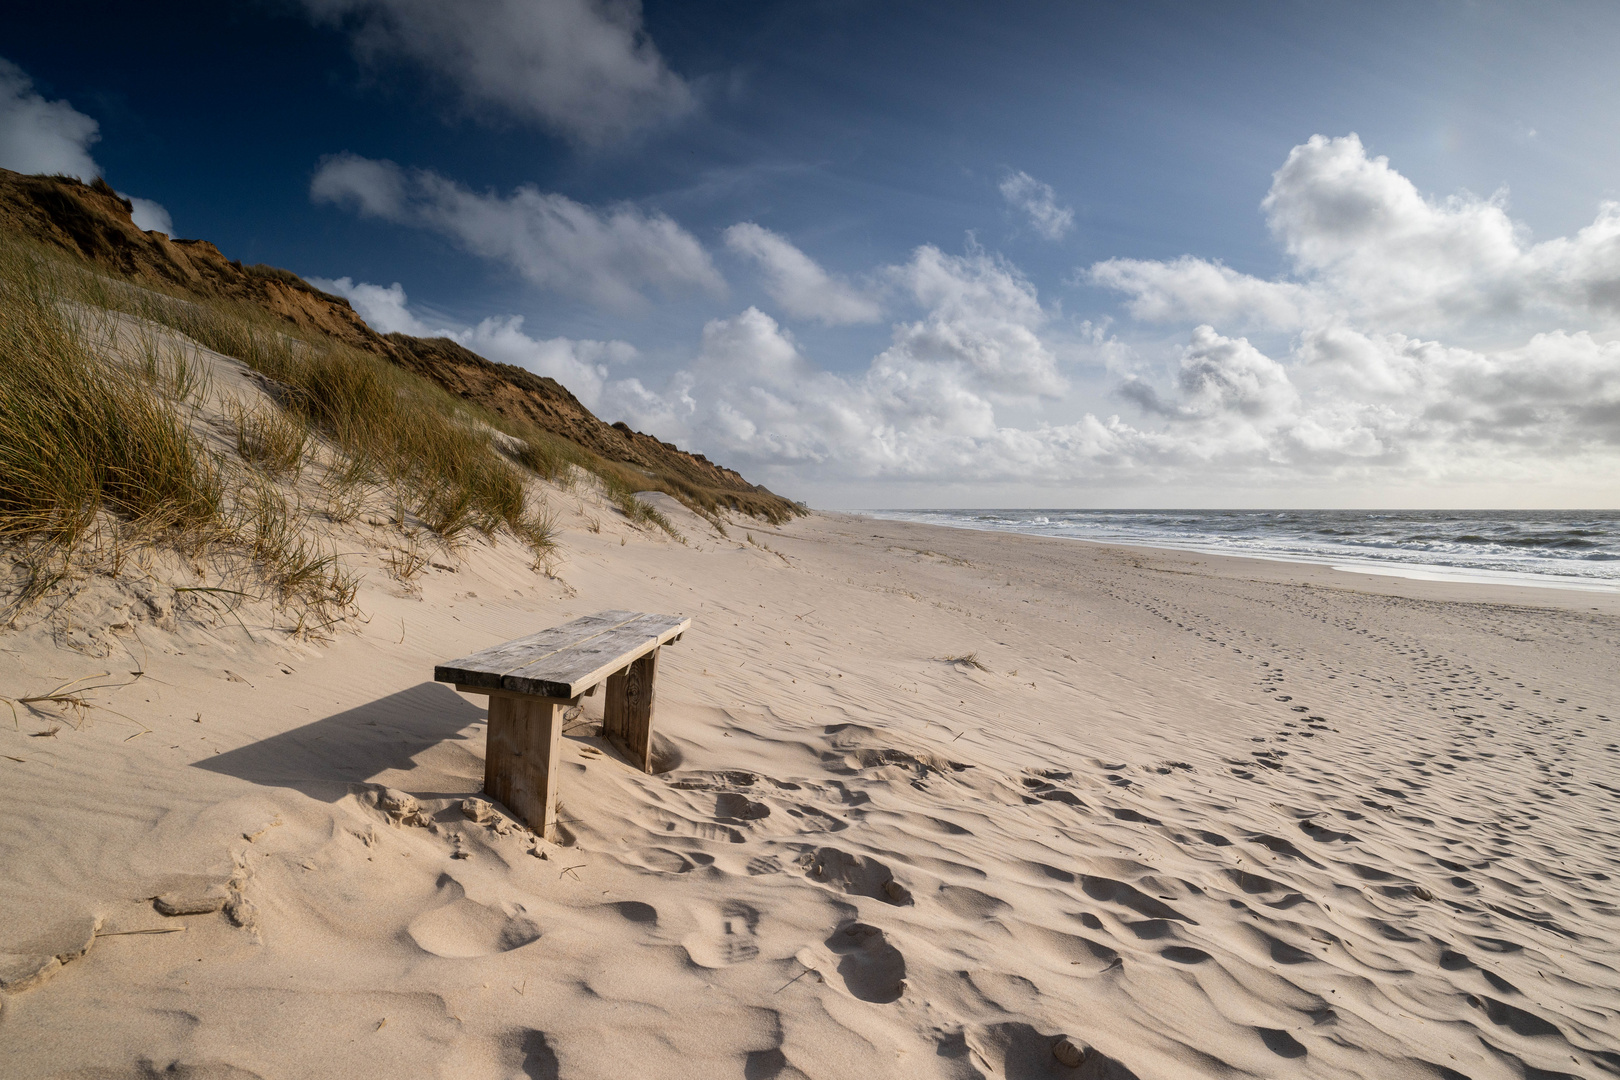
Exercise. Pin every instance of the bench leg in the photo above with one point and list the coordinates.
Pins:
(520, 758)
(627, 713)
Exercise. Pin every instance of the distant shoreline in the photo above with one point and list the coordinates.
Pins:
(1345, 563)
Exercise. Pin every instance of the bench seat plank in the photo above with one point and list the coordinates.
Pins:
(567, 660)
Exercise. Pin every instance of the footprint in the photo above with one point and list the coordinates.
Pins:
(762, 865)
(1284, 953)
(1278, 845)
(463, 928)
(1019, 1050)
(734, 940)
(1281, 1043)
(1321, 833)
(637, 912)
(856, 874)
(665, 861)
(1253, 883)
(733, 806)
(1184, 954)
(1514, 1019)
(873, 969)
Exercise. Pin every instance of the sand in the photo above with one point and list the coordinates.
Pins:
(1201, 817)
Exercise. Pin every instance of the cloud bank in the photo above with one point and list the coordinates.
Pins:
(1423, 341)
(1417, 342)
(924, 407)
(582, 68)
(610, 257)
(1369, 248)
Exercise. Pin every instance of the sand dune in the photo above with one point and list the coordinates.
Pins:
(1202, 817)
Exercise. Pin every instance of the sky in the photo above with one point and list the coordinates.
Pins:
(1291, 254)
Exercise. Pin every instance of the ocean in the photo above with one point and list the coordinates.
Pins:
(1577, 549)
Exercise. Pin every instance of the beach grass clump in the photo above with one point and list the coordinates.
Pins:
(273, 440)
(407, 563)
(78, 437)
(170, 370)
(277, 537)
(539, 530)
(621, 492)
(551, 458)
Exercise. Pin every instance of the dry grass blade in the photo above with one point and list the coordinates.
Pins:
(170, 369)
(406, 564)
(273, 441)
(539, 531)
(970, 659)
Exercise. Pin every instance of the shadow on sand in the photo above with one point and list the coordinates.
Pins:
(324, 758)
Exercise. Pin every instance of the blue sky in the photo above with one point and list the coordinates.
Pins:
(929, 254)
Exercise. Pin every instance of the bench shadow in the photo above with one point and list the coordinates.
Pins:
(324, 758)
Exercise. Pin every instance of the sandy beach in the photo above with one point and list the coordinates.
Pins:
(928, 801)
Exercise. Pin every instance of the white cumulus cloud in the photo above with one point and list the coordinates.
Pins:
(610, 256)
(1039, 203)
(39, 136)
(1429, 342)
(1199, 288)
(149, 215)
(1431, 338)
(1367, 245)
(583, 68)
(798, 282)
(925, 407)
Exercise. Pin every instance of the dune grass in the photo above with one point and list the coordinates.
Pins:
(77, 437)
(393, 429)
(273, 440)
(85, 447)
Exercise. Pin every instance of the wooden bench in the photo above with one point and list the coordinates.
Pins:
(530, 681)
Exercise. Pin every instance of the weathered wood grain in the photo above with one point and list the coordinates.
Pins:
(627, 713)
(566, 660)
(487, 666)
(520, 761)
